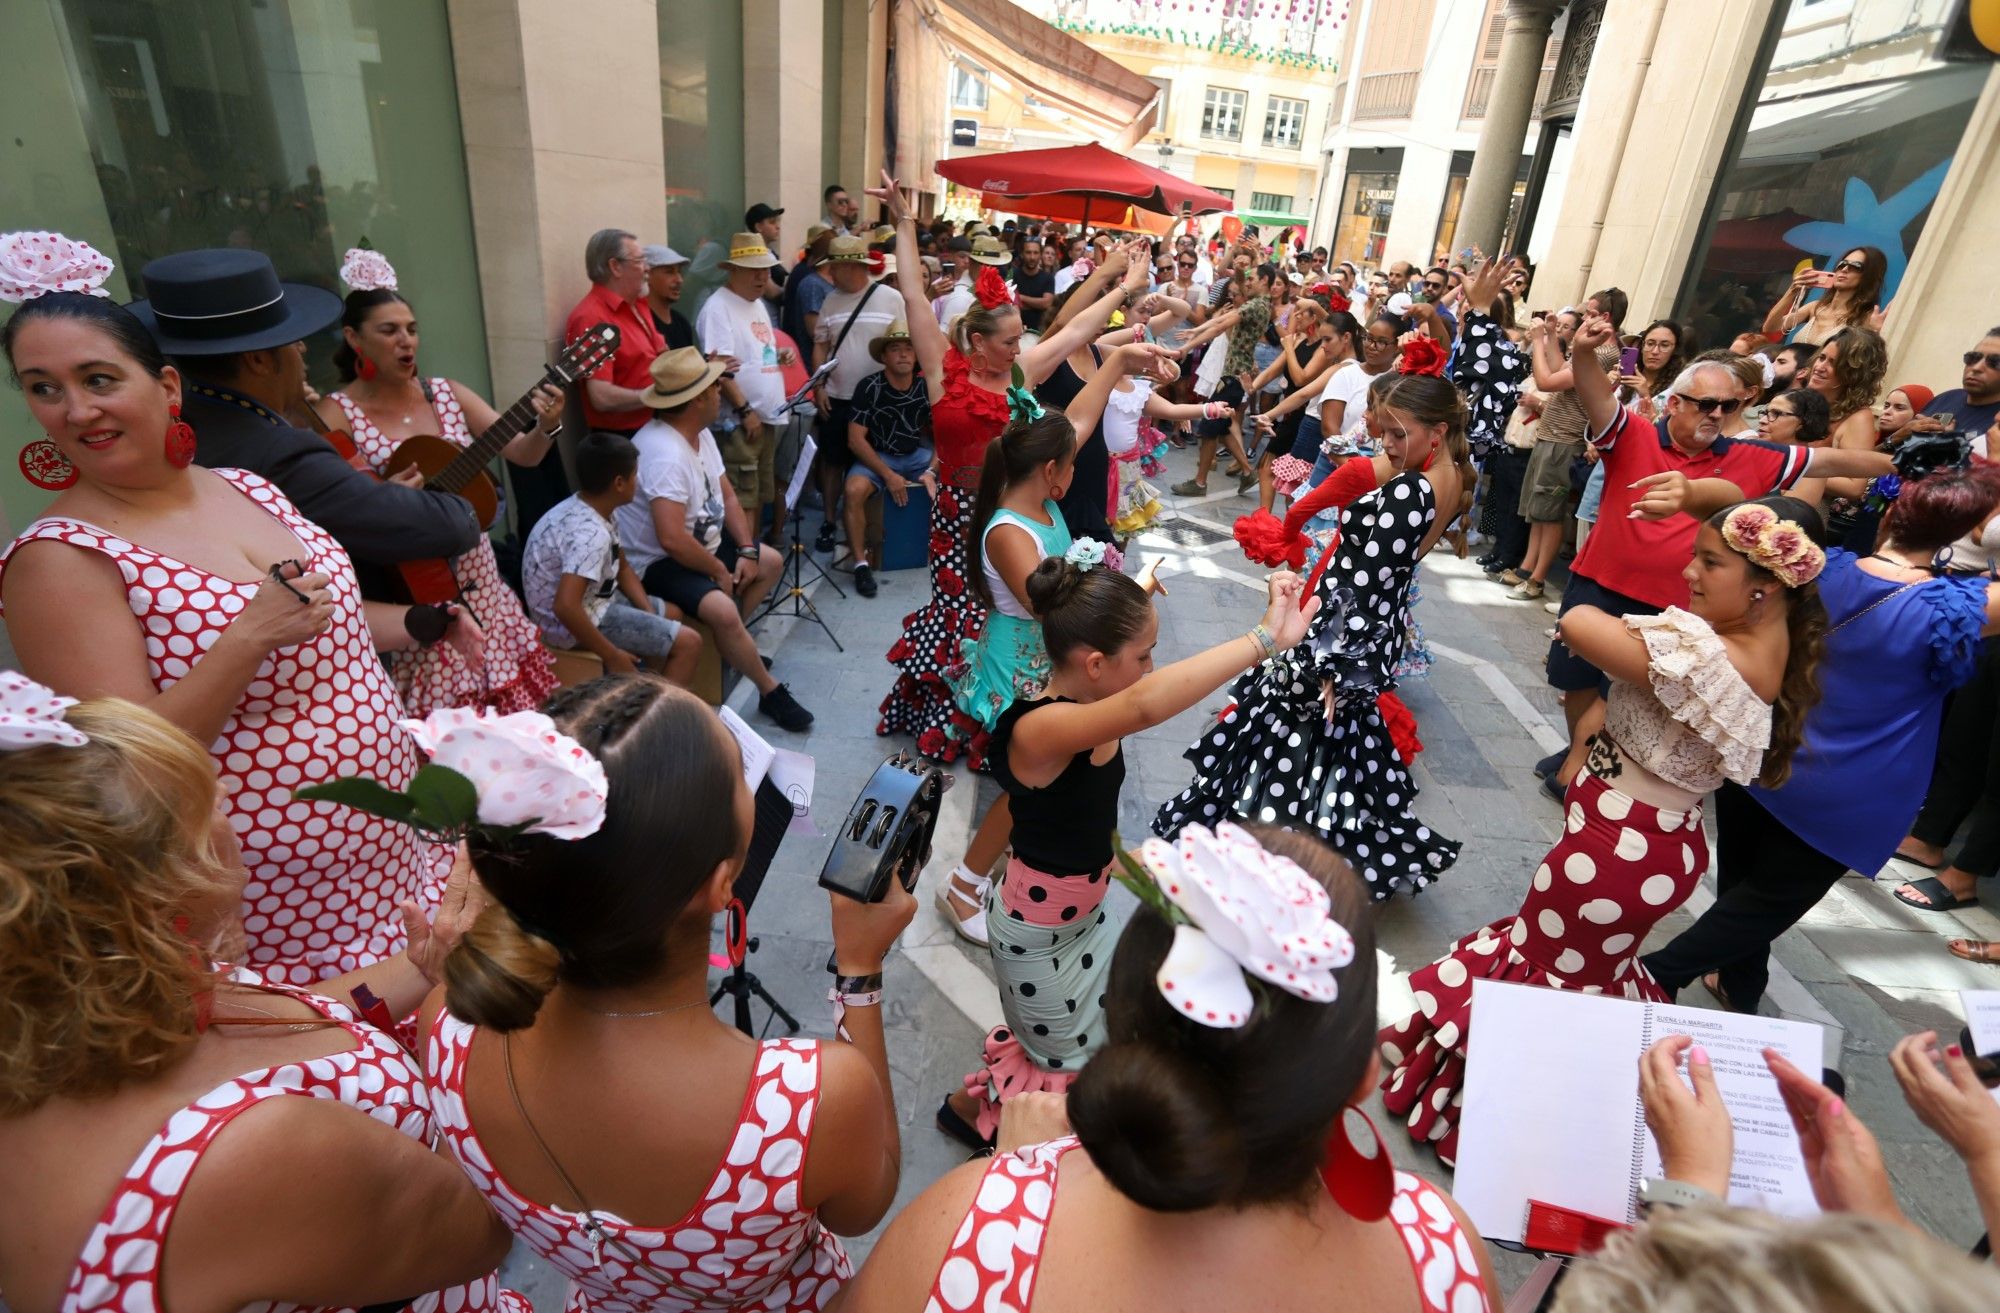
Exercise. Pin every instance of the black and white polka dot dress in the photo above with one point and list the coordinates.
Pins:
(1275, 757)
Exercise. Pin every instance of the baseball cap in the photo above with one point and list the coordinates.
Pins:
(659, 256)
(759, 212)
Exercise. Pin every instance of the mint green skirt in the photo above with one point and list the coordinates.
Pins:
(1001, 666)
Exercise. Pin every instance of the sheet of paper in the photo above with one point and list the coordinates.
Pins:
(1768, 1171)
(757, 754)
(1551, 1093)
(807, 450)
(1982, 1018)
(1551, 1104)
(793, 773)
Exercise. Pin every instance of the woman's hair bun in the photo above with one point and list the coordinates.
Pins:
(1157, 1128)
(499, 972)
(1052, 584)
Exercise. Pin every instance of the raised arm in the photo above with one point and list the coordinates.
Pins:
(925, 335)
(1087, 409)
(1041, 361)
(1791, 310)
(1593, 386)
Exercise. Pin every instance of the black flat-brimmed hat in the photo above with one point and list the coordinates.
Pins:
(220, 302)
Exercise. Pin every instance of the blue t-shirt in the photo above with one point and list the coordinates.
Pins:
(1892, 654)
(1968, 418)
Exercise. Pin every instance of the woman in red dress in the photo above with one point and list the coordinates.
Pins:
(383, 401)
(969, 365)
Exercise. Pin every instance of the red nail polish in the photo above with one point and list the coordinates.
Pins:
(1956, 1051)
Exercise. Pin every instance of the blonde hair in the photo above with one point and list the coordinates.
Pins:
(978, 318)
(1742, 1260)
(102, 848)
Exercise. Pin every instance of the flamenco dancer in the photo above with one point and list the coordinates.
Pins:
(1305, 744)
(381, 403)
(1059, 757)
(967, 373)
(1716, 692)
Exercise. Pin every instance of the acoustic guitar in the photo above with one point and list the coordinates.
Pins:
(449, 468)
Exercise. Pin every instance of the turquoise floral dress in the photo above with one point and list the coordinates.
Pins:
(1007, 663)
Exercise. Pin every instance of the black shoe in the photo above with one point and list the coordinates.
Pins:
(1554, 787)
(781, 706)
(824, 543)
(1490, 561)
(1550, 764)
(864, 580)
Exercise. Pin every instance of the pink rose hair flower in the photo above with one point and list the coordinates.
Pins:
(1778, 547)
(367, 270)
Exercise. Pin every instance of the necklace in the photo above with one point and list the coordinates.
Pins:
(1900, 565)
(276, 1020)
(657, 1011)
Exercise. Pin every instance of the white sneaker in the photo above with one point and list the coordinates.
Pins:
(971, 926)
(1553, 608)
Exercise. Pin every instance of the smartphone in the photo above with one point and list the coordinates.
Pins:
(1628, 360)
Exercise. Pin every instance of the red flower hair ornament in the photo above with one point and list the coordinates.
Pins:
(992, 289)
(1422, 355)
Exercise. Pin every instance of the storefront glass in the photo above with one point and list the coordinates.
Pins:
(1445, 249)
(1851, 136)
(701, 121)
(296, 127)
(1368, 198)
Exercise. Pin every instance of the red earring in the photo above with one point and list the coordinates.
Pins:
(1361, 1178)
(44, 465)
(180, 440)
(736, 932)
(365, 369)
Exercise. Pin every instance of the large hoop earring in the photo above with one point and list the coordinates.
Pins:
(44, 465)
(1360, 1176)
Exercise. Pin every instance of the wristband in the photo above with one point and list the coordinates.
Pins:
(871, 983)
(426, 623)
(746, 553)
(1662, 1192)
(843, 1000)
(1260, 634)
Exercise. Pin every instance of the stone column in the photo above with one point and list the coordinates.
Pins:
(783, 69)
(1482, 218)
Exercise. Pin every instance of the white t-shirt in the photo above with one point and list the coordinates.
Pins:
(571, 539)
(672, 470)
(741, 328)
(952, 304)
(882, 308)
(1348, 384)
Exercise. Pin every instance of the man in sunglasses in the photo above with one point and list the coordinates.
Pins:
(1633, 566)
(1972, 408)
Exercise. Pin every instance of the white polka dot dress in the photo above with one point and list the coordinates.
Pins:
(1620, 866)
(520, 673)
(996, 1252)
(118, 1270)
(748, 1246)
(1275, 757)
(323, 881)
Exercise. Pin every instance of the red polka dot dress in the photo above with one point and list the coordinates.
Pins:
(997, 1251)
(323, 881)
(118, 1270)
(520, 673)
(746, 1246)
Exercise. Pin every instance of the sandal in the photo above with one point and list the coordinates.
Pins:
(1712, 982)
(969, 926)
(1975, 950)
(956, 1127)
(1941, 898)
(1901, 856)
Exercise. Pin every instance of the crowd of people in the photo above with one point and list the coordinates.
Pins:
(291, 803)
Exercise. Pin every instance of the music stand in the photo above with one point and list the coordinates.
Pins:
(773, 816)
(795, 591)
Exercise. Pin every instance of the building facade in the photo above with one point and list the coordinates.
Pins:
(476, 143)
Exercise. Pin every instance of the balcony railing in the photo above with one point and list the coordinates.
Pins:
(1479, 89)
(1386, 95)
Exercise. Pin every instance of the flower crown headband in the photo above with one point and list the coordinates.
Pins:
(1238, 912)
(34, 264)
(498, 775)
(1779, 547)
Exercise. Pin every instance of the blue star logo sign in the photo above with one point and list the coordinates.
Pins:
(1869, 222)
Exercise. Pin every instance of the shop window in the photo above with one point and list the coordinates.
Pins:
(968, 85)
(701, 129)
(1284, 122)
(1271, 202)
(1222, 114)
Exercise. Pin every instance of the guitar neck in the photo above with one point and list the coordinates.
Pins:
(514, 421)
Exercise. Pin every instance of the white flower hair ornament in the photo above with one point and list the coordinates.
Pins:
(1238, 912)
(499, 775)
(366, 270)
(1085, 554)
(31, 716)
(34, 264)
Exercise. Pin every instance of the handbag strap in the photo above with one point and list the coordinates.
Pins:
(1872, 605)
(853, 315)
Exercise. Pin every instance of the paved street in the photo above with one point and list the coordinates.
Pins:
(1863, 966)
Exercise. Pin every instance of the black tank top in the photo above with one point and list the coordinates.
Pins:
(1085, 509)
(1063, 828)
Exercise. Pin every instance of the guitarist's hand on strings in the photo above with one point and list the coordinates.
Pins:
(410, 476)
(547, 399)
(463, 634)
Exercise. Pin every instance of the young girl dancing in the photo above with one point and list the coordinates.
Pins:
(1058, 756)
(1305, 743)
(1717, 691)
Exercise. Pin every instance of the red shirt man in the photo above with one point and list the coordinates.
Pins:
(616, 297)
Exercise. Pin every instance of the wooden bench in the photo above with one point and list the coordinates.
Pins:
(575, 665)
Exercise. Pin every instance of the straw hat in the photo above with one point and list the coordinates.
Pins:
(845, 250)
(990, 250)
(894, 333)
(679, 376)
(813, 231)
(747, 251)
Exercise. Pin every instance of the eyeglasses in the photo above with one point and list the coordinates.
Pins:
(1376, 339)
(1710, 405)
(1847, 267)
(1991, 358)
(1773, 412)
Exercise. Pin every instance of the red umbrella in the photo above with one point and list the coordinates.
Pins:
(1088, 172)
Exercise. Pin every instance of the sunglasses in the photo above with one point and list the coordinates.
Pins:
(1430, 286)
(1710, 405)
(1991, 358)
(1847, 267)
